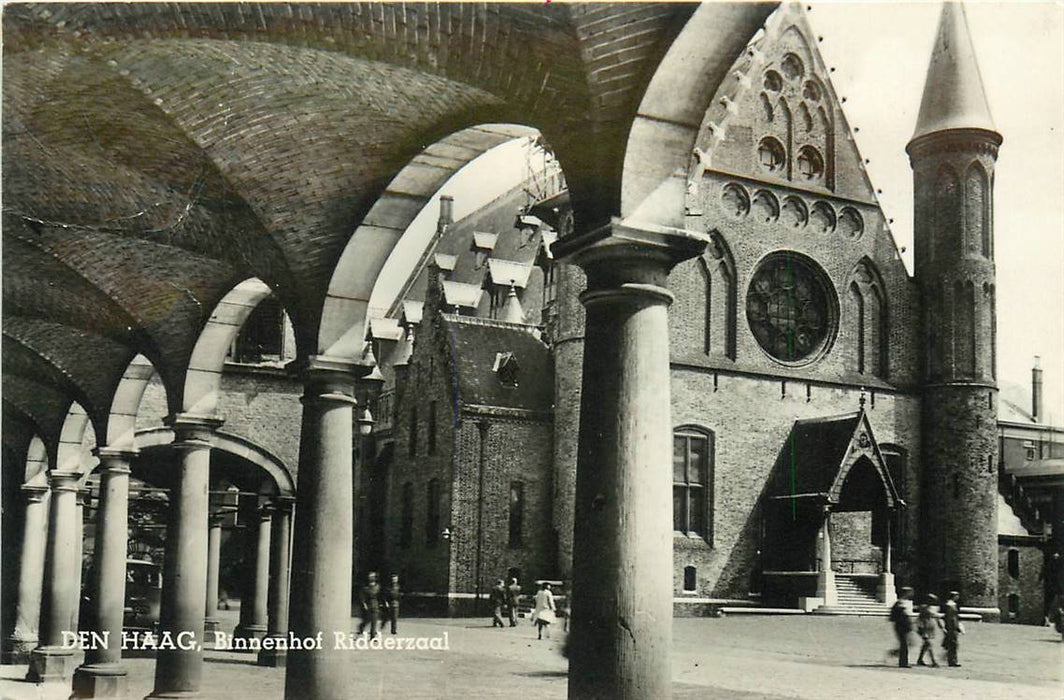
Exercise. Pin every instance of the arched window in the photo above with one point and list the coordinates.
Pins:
(857, 301)
(721, 323)
(690, 578)
(870, 317)
(689, 313)
(406, 529)
(1014, 606)
(977, 211)
(1014, 563)
(432, 512)
(692, 482)
(947, 228)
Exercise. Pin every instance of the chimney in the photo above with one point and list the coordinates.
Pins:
(446, 212)
(1036, 389)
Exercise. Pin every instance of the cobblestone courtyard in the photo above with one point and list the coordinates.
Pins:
(738, 657)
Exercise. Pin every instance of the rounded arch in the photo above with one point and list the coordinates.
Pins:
(232, 444)
(36, 472)
(76, 440)
(342, 331)
(203, 378)
(121, 423)
(673, 112)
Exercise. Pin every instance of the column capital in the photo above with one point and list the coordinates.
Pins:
(281, 504)
(624, 252)
(192, 430)
(116, 460)
(330, 379)
(64, 480)
(35, 492)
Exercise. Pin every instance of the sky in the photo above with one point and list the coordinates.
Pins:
(880, 53)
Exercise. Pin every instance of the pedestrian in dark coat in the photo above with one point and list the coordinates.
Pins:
(926, 623)
(951, 614)
(903, 624)
(498, 603)
(513, 596)
(390, 597)
(370, 603)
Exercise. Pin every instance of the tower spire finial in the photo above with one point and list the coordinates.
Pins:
(953, 92)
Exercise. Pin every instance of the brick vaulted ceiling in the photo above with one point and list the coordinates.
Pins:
(156, 154)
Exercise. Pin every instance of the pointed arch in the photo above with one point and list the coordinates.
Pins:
(977, 211)
(689, 329)
(785, 129)
(947, 236)
(766, 109)
(873, 329)
(858, 308)
(722, 310)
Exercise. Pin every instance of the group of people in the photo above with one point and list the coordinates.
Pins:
(505, 600)
(379, 606)
(928, 621)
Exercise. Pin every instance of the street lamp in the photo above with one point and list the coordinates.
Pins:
(365, 422)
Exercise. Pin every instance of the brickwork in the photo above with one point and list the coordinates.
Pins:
(1021, 593)
(751, 417)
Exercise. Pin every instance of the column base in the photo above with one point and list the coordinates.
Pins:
(211, 624)
(825, 588)
(173, 695)
(886, 592)
(274, 658)
(249, 632)
(100, 681)
(53, 664)
(17, 650)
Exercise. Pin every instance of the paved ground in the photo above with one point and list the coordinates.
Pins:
(740, 657)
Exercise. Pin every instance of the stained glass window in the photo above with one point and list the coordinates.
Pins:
(789, 309)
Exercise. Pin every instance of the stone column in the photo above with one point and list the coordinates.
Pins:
(321, 548)
(51, 661)
(214, 554)
(825, 580)
(622, 568)
(84, 498)
(885, 590)
(103, 675)
(280, 542)
(179, 672)
(31, 573)
(253, 626)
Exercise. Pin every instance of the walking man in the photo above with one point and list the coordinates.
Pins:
(925, 627)
(391, 604)
(498, 602)
(903, 625)
(513, 595)
(952, 615)
(370, 603)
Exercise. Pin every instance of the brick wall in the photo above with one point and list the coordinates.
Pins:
(751, 418)
(1027, 585)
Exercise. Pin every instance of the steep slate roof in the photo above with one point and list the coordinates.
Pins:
(816, 455)
(953, 93)
(476, 342)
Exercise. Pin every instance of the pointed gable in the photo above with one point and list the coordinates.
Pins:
(778, 119)
(819, 454)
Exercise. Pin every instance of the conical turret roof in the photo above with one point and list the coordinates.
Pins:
(953, 93)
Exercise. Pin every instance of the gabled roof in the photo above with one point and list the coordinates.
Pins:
(819, 453)
(476, 347)
(953, 92)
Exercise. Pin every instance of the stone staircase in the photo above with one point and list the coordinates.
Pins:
(857, 596)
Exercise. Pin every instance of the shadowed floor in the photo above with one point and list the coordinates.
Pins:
(737, 657)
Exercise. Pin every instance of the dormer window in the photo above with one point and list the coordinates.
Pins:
(506, 368)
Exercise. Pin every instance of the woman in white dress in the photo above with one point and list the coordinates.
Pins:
(543, 612)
